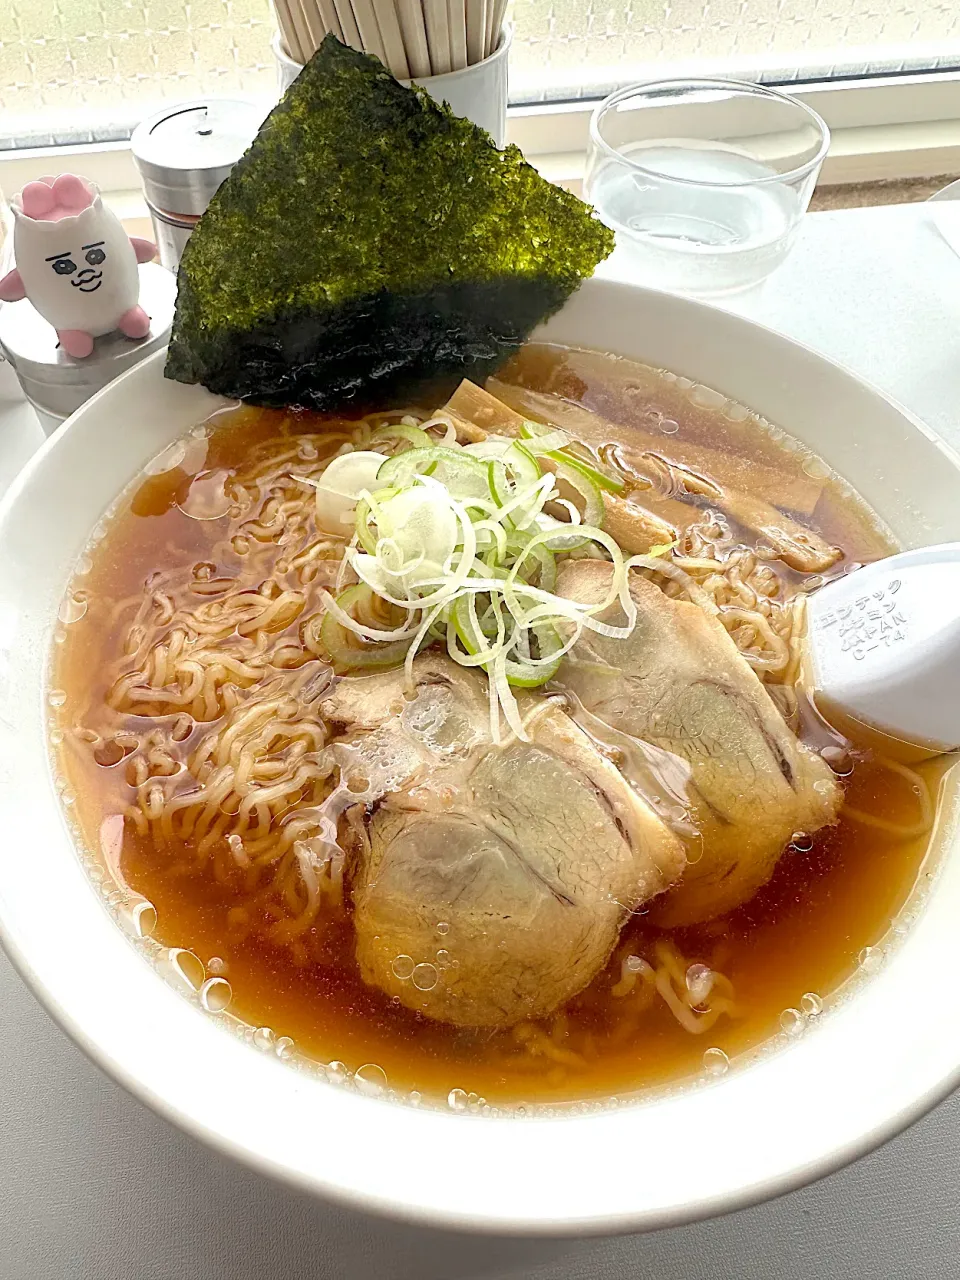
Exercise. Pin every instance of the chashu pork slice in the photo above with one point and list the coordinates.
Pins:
(679, 683)
(497, 877)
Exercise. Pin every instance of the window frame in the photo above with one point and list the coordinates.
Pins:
(883, 128)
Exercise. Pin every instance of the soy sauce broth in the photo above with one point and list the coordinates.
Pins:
(789, 948)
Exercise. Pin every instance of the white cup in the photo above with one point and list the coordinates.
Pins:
(478, 92)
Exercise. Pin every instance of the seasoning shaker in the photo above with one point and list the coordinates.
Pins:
(55, 383)
(184, 153)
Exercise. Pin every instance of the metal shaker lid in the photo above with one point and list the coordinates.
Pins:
(56, 380)
(185, 151)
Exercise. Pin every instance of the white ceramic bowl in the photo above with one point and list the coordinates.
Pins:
(871, 1065)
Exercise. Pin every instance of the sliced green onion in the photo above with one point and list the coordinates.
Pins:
(516, 473)
(550, 442)
(338, 624)
(602, 479)
(457, 540)
(543, 560)
(402, 431)
(464, 475)
(344, 478)
(492, 447)
(576, 478)
(365, 519)
(543, 438)
(536, 671)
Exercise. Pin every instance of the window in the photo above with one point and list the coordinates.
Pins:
(585, 48)
(87, 70)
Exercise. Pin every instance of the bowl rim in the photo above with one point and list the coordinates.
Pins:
(741, 1193)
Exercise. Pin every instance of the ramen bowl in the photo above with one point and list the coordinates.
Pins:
(886, 1048)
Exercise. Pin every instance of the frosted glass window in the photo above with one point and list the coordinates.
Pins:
(82, 70)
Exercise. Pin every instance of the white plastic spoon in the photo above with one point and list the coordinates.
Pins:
(884, 647)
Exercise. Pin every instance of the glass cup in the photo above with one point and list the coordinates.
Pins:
(705, 181)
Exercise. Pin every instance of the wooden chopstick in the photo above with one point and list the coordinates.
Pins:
(289, 36)
(438, 35)
(328, 13)
(348, 24)
(302, 30)
(476, 17)
(499, 13)
(389, 22)
(366, 17)
(410, 13)
(413, 38)
(314, 23)
(457, 23)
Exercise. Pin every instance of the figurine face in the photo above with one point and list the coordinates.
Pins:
(87, 278)
(78, 266)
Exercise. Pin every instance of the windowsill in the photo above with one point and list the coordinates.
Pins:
(882, 130)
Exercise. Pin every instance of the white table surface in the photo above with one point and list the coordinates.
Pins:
(95, 1187)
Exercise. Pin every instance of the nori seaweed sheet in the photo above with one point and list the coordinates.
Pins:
(369, 245)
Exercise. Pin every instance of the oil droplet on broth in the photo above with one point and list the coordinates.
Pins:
(264, 1038)
(56, 697)
(457, 1100)
(815, 468)
(166, 460)
(207, 498)
(706, 398)
(285, 1048)
(144, 919)
(370, 1079)
(216, 994)
(425, 977)
(403, 967)
(443, 928)
(337, 1072)
(870, 959)
(187, 967)
(811, 1004)
(791, 1022)
(72, 608)
(715, 1062)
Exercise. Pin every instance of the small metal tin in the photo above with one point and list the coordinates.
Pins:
(184, 153)
(56, 384)
(171, 235)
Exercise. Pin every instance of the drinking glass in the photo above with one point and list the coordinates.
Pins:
(705, 181)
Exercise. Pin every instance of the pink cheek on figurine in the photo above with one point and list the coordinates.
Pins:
(76, 264)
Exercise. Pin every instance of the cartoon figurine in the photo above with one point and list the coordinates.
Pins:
(75, 263)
